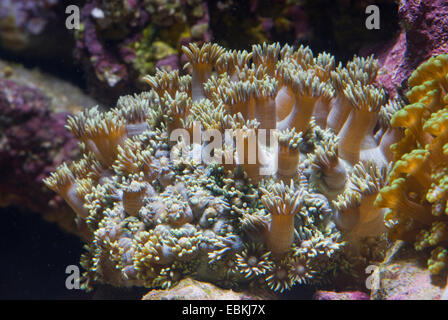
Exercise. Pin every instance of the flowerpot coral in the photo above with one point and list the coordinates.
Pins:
(181, 180)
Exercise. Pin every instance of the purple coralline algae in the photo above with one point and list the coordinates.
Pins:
(349, 295)
(424, 34)
(120, 41)
(33, 142)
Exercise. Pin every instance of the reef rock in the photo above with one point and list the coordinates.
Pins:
(120, 41)
(64, 96)
(196, 290)
(33, 142)
(404, 276)
(424, 34)
(349, 295)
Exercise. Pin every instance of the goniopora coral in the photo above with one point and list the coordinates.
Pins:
(417, 192)
(264, 208)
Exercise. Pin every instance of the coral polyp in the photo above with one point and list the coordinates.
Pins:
(182, 181)
(417, 191)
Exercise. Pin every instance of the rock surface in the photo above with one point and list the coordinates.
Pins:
(64, 96)
(404, 276)
(34, 140)
(349, 295)
(424, 34)
(121, 41)
(189, 289)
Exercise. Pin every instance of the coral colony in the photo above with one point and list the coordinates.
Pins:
(417, 193)
(260, 169)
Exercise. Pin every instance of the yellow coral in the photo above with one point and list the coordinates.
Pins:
(417, 192)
